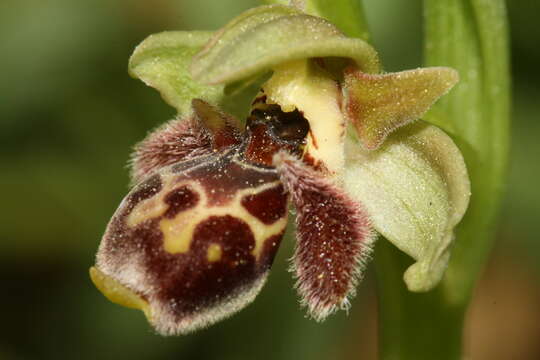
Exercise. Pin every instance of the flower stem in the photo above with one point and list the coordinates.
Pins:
(413, 325)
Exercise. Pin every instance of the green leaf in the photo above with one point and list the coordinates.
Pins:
(162, 62)
(416, 189)
(346, 14)
(265, 37)
(378, 104)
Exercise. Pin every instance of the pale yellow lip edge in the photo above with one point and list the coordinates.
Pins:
(118, 293)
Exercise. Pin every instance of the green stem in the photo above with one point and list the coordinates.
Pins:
(413, 325)
(470, 36)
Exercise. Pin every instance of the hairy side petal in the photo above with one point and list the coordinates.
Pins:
(224, 128)
(206, 130)
(174, 141)
(334, 238)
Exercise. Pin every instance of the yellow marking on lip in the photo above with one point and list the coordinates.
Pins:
(178, 232)
(213, 253)
(152, 207)
(118, 293)
(147, 209)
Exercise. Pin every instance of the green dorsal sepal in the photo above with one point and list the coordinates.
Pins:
(265, 37)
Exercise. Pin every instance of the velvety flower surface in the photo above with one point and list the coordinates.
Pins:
(327, 133)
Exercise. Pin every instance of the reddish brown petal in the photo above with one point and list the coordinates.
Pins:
(177, 140)
(223, 128)
(180, 199)
(268, 206)
(334, 238)
(206, 130)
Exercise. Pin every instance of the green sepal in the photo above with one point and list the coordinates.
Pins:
(162, 62)
(416, 189)
(377, 104)
(267, 36)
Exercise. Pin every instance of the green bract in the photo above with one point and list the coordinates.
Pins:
(411, 177)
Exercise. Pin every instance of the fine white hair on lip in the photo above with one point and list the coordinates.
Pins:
(167, 323)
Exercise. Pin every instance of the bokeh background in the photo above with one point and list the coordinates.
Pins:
(69, 114)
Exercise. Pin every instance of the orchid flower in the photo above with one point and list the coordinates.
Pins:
(327, 132)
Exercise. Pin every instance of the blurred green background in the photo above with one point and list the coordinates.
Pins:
(69, 115)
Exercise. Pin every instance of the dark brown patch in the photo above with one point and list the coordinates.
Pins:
(261, 146)
(179, 200)
(290, 127)
(268, 206)
(193, 282)
(222, 179)
(224, 138)
(270, 129)
(269, 250)
(145, 190)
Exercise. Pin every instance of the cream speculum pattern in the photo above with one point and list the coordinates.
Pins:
(193, 241)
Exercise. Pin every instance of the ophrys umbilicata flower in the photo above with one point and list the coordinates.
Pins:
(193, 241)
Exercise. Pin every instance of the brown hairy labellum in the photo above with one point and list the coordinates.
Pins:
(193, 241)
